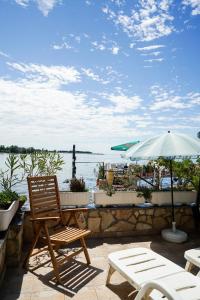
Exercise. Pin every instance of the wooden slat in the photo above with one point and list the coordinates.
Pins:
(43, 195)
(45, 208)
(43, 188)
(45, 200)
(51, 213)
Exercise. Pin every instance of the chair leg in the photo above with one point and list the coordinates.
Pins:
(37, 234)
(53, 259)
(188, 266)
(85, 250)
(110, 272)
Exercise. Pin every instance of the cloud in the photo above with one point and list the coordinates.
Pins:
(106, 44)
(194, 98)
(90, 74)
(45, 6)
(54, 75)
(195, 5)
(151, 47)
(4, 54)
(22, 2)
(34, 114)
(115, 50)
(41, 109)
(167, 100)
(147, 21)
(154, 60)
(124, 103)
(62, 46)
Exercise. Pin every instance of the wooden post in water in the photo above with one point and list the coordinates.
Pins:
(74, 162)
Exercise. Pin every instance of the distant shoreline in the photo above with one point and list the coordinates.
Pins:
(23, 150)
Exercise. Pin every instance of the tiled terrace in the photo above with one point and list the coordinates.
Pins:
(82, 282)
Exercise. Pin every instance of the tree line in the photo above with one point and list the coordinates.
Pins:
(23, 150)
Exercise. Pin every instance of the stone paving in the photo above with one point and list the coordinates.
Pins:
(87, 282)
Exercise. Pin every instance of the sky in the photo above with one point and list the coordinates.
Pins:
(97, 73)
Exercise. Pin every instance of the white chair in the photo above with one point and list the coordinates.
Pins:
(193, 259)
(141, 266)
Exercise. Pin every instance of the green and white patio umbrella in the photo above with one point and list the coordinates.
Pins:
(170, 146)
(124, 147)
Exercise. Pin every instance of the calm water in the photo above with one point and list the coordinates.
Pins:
(86, 170)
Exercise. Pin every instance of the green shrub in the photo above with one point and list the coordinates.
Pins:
(144, 192)
(77, 185)
(7, 197)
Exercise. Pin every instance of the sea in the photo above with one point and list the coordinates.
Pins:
(86, 167)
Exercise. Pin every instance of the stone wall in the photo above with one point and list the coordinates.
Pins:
(2, 256)
(127, 221)
(11, 245)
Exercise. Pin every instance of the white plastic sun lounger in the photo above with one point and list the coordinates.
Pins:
(193, 259)
(140, 266)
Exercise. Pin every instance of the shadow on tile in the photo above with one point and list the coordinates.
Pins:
(74, 275)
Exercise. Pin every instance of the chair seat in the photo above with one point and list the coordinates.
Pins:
(68, 234)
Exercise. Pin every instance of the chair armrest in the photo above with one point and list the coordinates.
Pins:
(45, 219)
(166, 290)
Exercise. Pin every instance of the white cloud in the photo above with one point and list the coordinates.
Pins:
(98, 46)
(22, 2)
(155, 53)
(54, 75)
(90, 74)
(151, 47)
(4, 54)
(195, 4)
(167, 100)
(147, 21)
(124, 103)
(34, 114)
(194, 98)
(115, 50)
(106, 45)
(62, 46)
(45, 6)
(154, 60)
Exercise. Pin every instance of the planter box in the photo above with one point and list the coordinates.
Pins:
(183, 197)
(74, 198)
(6, 215)
(129, 197)
(124, 197)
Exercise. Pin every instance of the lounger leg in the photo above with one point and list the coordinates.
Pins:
(188, 266)
(85, 251)
(53, 259)
(110, 272)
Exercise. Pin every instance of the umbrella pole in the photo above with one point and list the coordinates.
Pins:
(173, 235)
(172, 196)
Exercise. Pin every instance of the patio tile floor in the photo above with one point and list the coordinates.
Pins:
(87, 282)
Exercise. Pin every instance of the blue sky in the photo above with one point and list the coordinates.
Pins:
(97, 73)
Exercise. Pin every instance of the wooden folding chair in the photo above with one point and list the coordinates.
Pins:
(45, 206)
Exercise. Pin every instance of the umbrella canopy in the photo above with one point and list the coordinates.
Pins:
(124, 147)
(169, 145)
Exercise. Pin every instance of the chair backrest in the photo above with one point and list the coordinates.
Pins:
(44, 196)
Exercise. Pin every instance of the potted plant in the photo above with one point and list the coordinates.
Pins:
(9, 202)
(145, 192)
(101, 175)
(78, 194)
